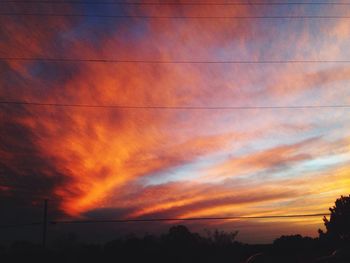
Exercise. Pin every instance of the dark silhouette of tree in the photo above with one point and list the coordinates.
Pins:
(221, 237)
(295, 247)
(293, 242)
(181, 234)
(180, 245)
(338, 226)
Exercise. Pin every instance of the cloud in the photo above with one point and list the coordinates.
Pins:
(26, 175)
(96, 162)
(275, 158)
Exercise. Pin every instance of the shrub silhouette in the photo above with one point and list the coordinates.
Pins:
(338, 226)
(222, 237)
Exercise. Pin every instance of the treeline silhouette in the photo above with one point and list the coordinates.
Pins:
(178, 245)
(181, 245)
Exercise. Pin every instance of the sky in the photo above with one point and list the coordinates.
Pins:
(121, 163)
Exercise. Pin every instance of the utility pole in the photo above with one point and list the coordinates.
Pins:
(45, 223)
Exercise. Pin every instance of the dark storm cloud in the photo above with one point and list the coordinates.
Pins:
(26, 176)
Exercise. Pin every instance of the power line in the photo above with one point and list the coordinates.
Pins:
(57, 222)
(185, 219)
(345, 106)
(176, 3)
(101, 60)
(172, 17)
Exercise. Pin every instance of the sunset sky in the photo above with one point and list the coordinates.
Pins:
(119, 163)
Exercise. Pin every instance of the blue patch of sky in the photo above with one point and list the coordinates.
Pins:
(338, 130)
(292, 170)
(325, 162)
(97, 29)
(313, 166)
(265, 39)
(181, 173)
(332, 130)
(187, 172)
(197, 168)
(271, 141)
(233, 50)
(337, 90)
(272, 34)
(52, 72)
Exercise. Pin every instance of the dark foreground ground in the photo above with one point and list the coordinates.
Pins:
(179, 245)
